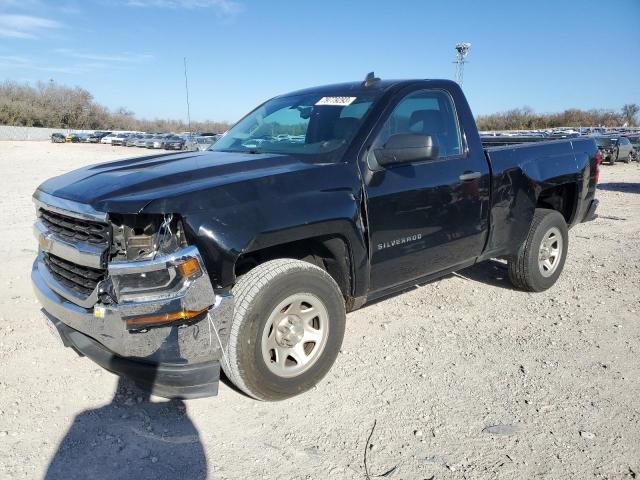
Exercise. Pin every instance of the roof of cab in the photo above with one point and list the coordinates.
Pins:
(347, 87)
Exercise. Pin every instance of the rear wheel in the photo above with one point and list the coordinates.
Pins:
(287, 329)
(541, 257)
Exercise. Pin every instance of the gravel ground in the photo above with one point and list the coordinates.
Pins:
(464, 377)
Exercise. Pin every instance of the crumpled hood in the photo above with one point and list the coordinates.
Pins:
(127, 186)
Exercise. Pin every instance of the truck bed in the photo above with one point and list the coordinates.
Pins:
(520, 170)
(490, 141)
(500, 140)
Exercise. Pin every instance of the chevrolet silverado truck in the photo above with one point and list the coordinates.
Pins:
(248, 256)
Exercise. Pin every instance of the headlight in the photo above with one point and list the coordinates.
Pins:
(156, 278)
(150, 257)
(146, 283)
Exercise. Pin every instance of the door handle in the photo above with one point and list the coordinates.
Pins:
(468, 176)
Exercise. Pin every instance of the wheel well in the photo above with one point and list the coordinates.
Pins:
(561, 198)
(330, 253)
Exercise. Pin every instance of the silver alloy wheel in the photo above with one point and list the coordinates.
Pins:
(550, 252)
(295, 335)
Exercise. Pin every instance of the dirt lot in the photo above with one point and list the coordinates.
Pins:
(465, 377)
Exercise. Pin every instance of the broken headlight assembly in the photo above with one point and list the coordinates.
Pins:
(150, 258)
(145, 236)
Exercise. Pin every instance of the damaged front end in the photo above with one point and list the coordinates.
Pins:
(133, 294)
(609, 154)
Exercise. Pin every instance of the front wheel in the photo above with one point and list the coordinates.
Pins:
(287, 329)
(540, 259)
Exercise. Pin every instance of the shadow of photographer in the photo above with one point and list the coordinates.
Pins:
(131, 437)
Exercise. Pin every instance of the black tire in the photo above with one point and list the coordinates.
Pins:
(524, 270)
(257, 294)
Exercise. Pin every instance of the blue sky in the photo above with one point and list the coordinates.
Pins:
(549, 55)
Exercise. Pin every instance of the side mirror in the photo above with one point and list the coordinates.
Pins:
(406, 148)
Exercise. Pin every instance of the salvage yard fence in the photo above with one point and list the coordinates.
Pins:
(8, 132)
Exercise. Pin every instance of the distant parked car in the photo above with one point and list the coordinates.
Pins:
(96, 136)
(635, 143)
(155, 141)
(190, 144)
(57, 138)
(201, 143)
(119, 139)
(107, 139)
(142, 141)
(557, 135)
(614, 149)
(149, 141)
(73, 138)
(164, 138)
(174, 142)
(130, 141)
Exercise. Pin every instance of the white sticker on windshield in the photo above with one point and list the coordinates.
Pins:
(339, 101)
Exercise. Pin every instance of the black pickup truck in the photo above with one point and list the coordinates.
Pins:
(248, 256)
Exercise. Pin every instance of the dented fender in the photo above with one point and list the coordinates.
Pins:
(240, 218)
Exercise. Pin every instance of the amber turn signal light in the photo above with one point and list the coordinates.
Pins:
(156, 320)
(189, 267)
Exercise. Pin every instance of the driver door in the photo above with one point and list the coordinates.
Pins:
(425, 216)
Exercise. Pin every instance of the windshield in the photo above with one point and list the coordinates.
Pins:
(301, 124)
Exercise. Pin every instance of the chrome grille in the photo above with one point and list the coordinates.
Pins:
(74, 229)
(79, 278)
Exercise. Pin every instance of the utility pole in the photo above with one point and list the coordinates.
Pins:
(462, 50)
(186, 87)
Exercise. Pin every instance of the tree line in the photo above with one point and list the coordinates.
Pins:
(526, 119)
(57, 106)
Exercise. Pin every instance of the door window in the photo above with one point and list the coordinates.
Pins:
(425, 112)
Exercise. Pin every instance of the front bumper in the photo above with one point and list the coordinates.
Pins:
(161, 379)
(171, 360)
